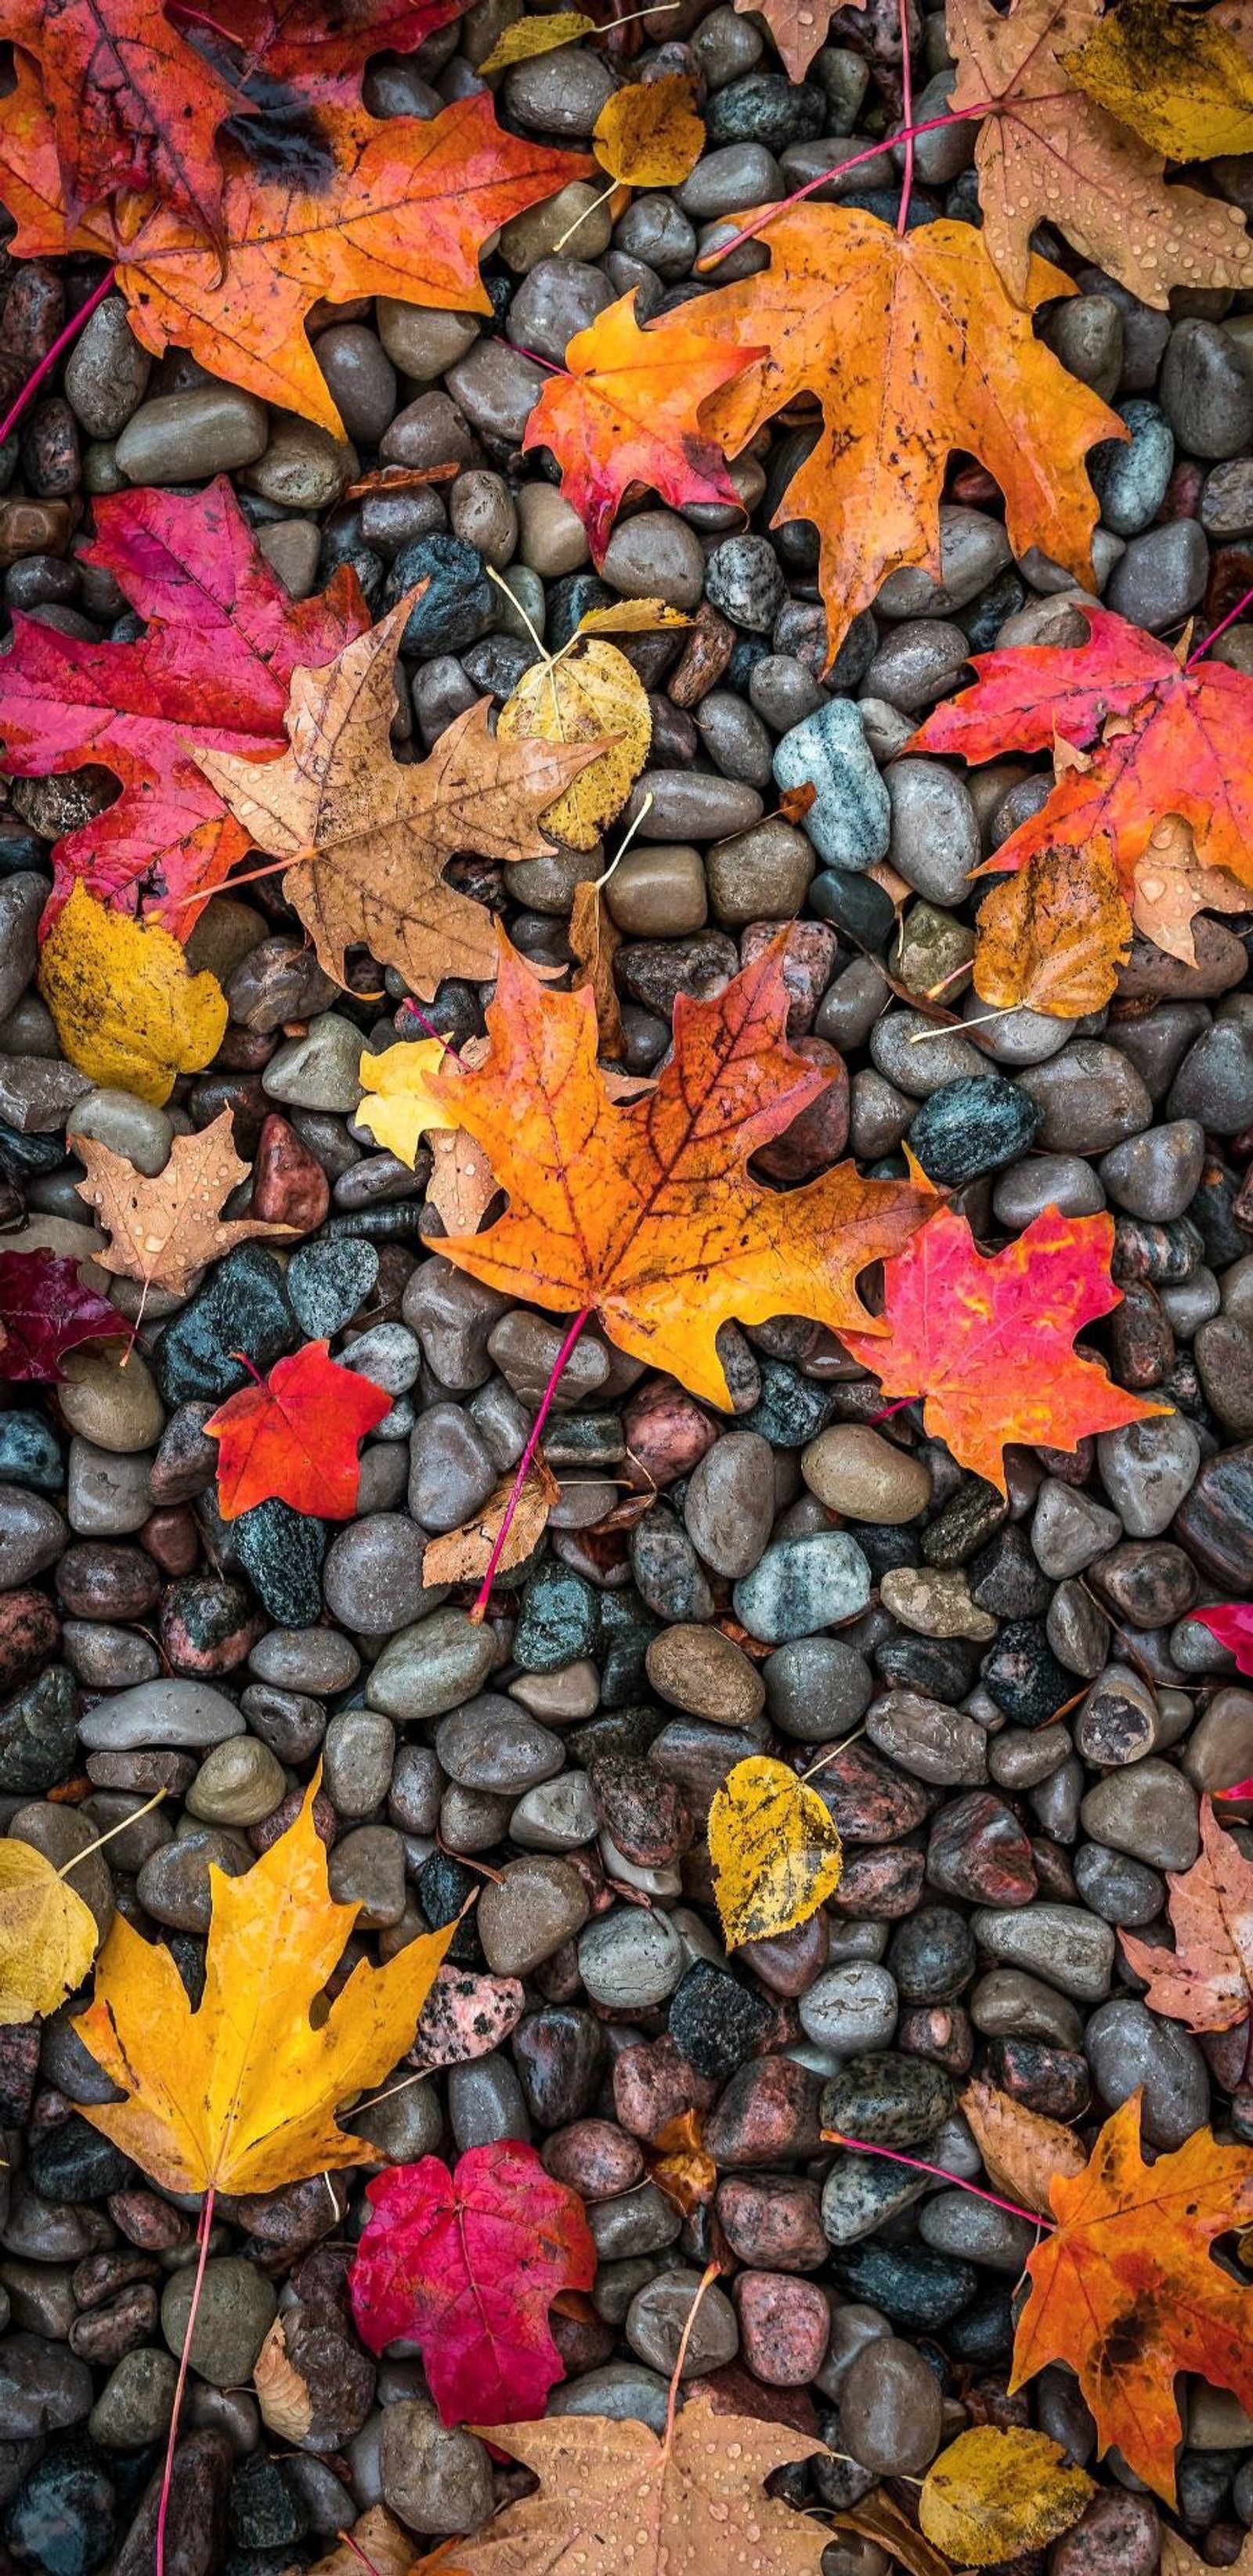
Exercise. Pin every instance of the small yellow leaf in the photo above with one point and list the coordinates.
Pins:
(648, 135)
(530, 36)
(1053, 937)
(128, 1013)
(584, 697)
(1179, 80)
(992, 2495)
(632, 617)
(47, 1935)
(398, 1109)
(776, 1853)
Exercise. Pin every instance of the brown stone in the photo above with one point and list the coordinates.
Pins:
(289, 1187)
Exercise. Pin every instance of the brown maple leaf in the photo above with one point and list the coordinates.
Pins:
(1207, 1979)
(368, 839)
(1049, 154)
(164, 1230)
(799, 28)
(1172, 887)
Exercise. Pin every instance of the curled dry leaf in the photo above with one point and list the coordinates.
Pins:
(880, 2519)
(1171, 887)
(775, 1850)
(1023, 2152)
(1053, 937)
(1207, 1980)
(994, 2494)
(282, 2395)
(588, 697)
(463, 1555)
(1179, 80)
(164, 1230)
(127, 1010)
(528, 37)
(368, 838)
(48, 1936)
(679, 2165)
(648, 134)
(594, 943)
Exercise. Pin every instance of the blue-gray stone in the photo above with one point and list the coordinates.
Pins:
(30, 1453)
(803, 1584)
(850, 820)
(458, 604)
(328, 1282)
(1131, 481)
(559, 1621)
(243, 1306)
(281, 1553)
(972, 1126)
(37, 1733)
(767, 109)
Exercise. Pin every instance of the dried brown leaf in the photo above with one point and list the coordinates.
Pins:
(463, 1555)
(1021, 2149)
(162, 1231)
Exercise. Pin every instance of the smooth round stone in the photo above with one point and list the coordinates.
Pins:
(851, 2008)
(953, 2222)
(759, 875)
(1147, 1469)
(106, 373)
(801, 1585)
(698, 1669)
(490, 1744)
(861, 2193)
(630, 1961)
(1131, 481)
(452, 1470)
(115, 1408)
(434, 2480)
(107, 1495)
(973, 1127)
(1122, 1891)
(1155, 1176)
(1060, 1943)
(849, 821)
(817, 1688)
(328, 1282)
(854, 1470)
(656, 556)
(30, 1452)
(559, 94)
(887, 2100)
(431, 1667)
(932, 1955)
(728, 1507)
(358, 1752)
(318, 1070)
(658, 893)
(32, 1535)
(169, 1713)
(934, 841)
(372, 1577)
(237, 2308)
(538, 1904)
(240, 1783)
(132, 1128)
(135, 2403)
(1069, 1529)
(891, 2409)
(624, 2391)
(1149, 1810)
(305, 1659)
(1089, 1098)
(1130, 2049)
(184, 438)
(744, 580)
(556, 1816)
(658, 2314)
(1206, 391)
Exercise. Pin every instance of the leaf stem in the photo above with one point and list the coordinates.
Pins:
(907, 111)
(62, 341)
(706, 2281)
(862, 2147)
(931, 125)
(555, 1375)
(102, 1839)
(1215, 631)
(204, 2230)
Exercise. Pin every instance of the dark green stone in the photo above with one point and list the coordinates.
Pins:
(243, 1306)
(38, 1733)
(281, 1553)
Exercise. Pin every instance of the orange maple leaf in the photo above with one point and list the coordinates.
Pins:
(1126, 2292)
(294, 1435)
(643, 1211)
(1207, 1980)
(623, 414)
(400, 208)
(985, 1338)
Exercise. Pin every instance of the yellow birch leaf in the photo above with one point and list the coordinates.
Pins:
(992, 2495)
(1179, 80)
(397, 1107)
(648, 135)
(47, 1935)
(127, 1010)
(531, 36)
(632, 617)
(583, 697)
(776, 1853)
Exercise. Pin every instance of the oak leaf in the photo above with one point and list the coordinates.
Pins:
(463, 1555)
(1231, 1622)
(985, 1338)
(133, 105)
(1125, 2289)
(912, 348)
(1053, 937)
(1023, 2151)
(48, 1936)
(466, 2265)
(591, 695)
(1171, 887)
(240, 2093)
(648, 134)
(396, 206)
(293, 1435)
(776, 1853)
(1048, 154)
(164, 1230)
(623, 413)
(128, 1011)
(1180, 81)
(221, 640)
(643, 1211)
(367, 838)
(996, 2492)
(1207, 1980)
(45, 1311)
(613, 2497)
(799, 28)
(1172, 738)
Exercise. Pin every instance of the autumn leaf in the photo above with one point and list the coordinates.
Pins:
(48, 1936)
(221, 640)
(1048, 154)
(1126, 2292)
(463, 1555)
(294, 1436)
(996, 2492)
(613, 2498)
(680, 2164)
(45, 1312)
(240, 2093)
(589, 695)
(466, 2265)
(1179, 80)
(127, 1010)
(648, 134)
(302, 45)
(1207, 1980)
(985, 1338)
(398, 1109)
(527, 37)
(912, 348)
(133, 106)
(594, 943)
(395, 206)
(375, 2536)
(1022, 2150)
(1231, 1622)
(1173, 739)
(164, 1230)
(624, 412)
(643, 1211)
(1053, 937)
(799, 28)
(879, 2519)
(1171, 887)
(367, 838)
(1180, 2559)
(776, 1853)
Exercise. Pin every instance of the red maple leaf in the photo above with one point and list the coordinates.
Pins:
(211, 673)
(319, 52)
(294, 1435)
(45, 1312)
(133, 106)
(467, 2265)
(1231, 1623)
